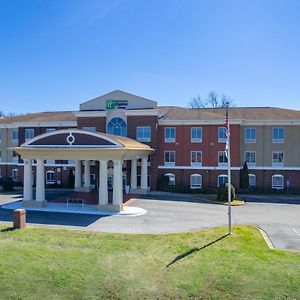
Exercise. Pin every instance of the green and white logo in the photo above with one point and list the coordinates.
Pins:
(110, 104)
(119, 104)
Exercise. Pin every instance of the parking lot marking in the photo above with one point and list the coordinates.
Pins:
(296, 231)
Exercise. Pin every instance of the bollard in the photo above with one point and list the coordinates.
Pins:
(19, 218)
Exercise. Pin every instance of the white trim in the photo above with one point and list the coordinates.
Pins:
(39, 124)
(197, 168)
(57, 132)
(133, 112)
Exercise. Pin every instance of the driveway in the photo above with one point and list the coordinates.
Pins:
(280, 219)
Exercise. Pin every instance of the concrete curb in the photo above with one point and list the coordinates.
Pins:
(266, 238)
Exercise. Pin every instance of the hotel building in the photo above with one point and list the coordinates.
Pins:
(131, 141)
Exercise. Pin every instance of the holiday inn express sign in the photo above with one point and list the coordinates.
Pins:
(116, 104)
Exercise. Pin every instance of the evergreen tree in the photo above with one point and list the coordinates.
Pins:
(244, 180)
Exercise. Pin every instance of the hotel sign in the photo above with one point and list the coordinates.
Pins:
(116, 104)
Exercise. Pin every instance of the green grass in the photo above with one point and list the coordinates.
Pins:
(38, 263)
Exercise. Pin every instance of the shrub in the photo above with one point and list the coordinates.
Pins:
(7, 184)
(222, 193)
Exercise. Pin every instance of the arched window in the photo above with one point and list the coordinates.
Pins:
(171, 177)
(117, 126)
(222, 179)
(196, 181)
(252, 180)
(50, 177)
(277, 182)
(15, 175)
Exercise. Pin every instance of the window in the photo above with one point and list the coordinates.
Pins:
(50, 161)
(278, 136)
(250, 135)
(48, 130)
(15, 157)
(89, 129)
(196, 181)
(277, 182)
(171, 179)
(15, 175)
(222, 179)
(143, 133)
(222, 135)
(117, 126)
(29, 134)
(170, 133)
(277, 159)
(0, 136)
(222, 158)
(196, 134)
(196, 158)
(250, 158)
(50, 177)
(15, 136)
(252, 180)
(169, 158)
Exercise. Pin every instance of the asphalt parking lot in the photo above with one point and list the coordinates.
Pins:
(279, 218)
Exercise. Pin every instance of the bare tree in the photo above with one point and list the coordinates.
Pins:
(1, 113)
(197, 102)
(213, 100)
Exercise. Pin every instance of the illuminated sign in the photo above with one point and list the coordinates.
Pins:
(116, 104)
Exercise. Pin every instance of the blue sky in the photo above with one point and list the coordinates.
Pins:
(55, 54)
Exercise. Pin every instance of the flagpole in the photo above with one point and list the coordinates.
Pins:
(229, 172)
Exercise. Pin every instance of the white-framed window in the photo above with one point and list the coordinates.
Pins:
(252, 180)
(250, 158)
(277, 182)
(15, 136)
(15, 175)
(15, 157)
(277, 159)
(222, 179)
(196, 134)
(29, 134)
(278, 135)
(143, 133)
(170, 134)
(169, 158)
(50, 178)
(222, 135)
(196, 158)
(48, 130)
(222, 158)
(250, 135)
(195, 181)
(89, 129)
(171, 179)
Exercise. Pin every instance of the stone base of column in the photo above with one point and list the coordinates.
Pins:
(110, 207)
(34, 203)
(139, 191)
(83, 189)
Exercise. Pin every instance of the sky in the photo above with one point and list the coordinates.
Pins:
(56, 54)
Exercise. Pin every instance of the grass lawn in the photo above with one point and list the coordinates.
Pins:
(38, 263)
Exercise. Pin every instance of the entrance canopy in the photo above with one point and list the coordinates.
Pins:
(75, 144)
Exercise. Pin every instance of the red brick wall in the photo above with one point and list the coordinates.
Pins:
(98, 122)
(209, 145)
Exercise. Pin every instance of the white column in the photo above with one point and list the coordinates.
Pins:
(133, 176)
(87, 174)
(78, 174)
(40, 180)
(117, 186)
(144, 175)
(27, 183)
(103, 191)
